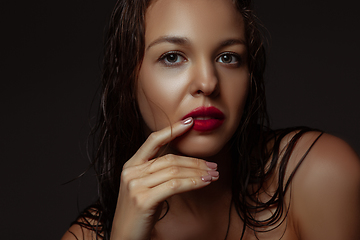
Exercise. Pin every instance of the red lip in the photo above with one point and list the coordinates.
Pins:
(214, 118)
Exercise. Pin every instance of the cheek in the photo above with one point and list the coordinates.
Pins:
(235, 93)
(158, 94)
(149, 101)
(241, 97)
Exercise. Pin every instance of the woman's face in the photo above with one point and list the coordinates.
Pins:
(194, 65)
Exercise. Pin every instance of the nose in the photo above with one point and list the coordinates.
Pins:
(204, 79)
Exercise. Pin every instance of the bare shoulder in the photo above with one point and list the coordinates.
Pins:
(326, 189)
(330, 157)
(329, 151)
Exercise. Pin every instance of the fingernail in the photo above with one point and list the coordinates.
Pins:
(211, 165)
(187, 121)
(213, 173)
(206, 178)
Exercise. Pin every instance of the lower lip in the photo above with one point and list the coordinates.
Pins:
(207, 125)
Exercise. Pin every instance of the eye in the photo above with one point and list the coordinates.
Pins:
(171, 59)
(229, 58)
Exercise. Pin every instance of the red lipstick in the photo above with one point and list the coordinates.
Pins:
(206, 118)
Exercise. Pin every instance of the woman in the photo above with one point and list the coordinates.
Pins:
(184, 151)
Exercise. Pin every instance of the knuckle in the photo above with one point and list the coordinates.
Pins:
(174, 170)
(174, 184)
(125, 175)
(193, 181)
(170, 158)
(132, 184)
(153, 136)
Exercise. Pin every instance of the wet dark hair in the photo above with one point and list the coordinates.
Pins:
(120, 132)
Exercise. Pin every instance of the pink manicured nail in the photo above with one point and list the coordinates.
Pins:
(206, 178)
(187, 121)
(213, 173)
(211, 165)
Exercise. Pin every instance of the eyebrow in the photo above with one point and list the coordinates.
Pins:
(170, 39)
(230, 42)
(186, 41)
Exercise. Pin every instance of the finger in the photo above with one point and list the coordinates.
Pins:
(166, 162)
(171, 160)
(167, 174)
(158, 139)
(175, 186)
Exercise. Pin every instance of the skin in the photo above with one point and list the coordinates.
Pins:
(199, 75)
(169, 87)
(192, 174)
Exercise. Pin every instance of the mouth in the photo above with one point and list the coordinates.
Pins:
(206, 118)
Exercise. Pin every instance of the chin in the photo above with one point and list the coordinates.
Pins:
(199, 147)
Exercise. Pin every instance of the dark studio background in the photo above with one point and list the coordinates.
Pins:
(50, 54)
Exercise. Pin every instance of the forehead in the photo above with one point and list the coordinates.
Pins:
(204, 18)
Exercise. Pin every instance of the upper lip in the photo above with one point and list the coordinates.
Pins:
(202, 111)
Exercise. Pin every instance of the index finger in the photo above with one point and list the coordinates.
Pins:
(158, 139)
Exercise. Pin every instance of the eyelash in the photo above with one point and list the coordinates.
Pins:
(163, 59)
(234, 56)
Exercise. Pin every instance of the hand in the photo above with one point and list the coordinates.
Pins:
(146, 183)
